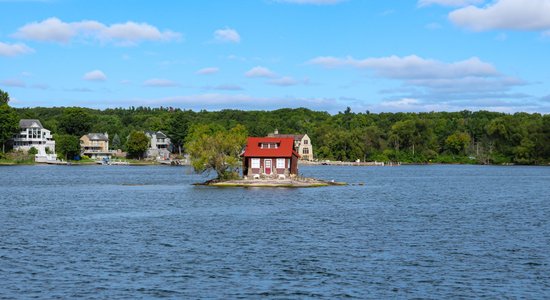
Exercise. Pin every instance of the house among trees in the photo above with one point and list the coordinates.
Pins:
(302, 143)
(159, 146)
(95, 145)
(33, 135)
(270, 156)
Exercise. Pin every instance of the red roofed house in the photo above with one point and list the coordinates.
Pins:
(270, 156)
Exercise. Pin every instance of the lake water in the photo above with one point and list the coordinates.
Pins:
(119, 232)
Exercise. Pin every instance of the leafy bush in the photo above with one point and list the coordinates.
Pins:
(32, 151)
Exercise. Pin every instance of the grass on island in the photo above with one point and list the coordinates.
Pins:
(272, 183)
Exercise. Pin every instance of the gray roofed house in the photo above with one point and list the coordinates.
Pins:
(302, 143)
(30, 123)
(159, 145)
(98, 136)
(95, 145)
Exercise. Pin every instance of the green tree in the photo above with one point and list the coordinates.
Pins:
(67, 145)
(116, 143)
(75, 121)
(4, 97)
(213, 148)
(178, 127)
(457, 142)
(8, 124)
(137, 144)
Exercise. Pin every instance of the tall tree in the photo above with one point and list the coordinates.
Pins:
(8, 124)
(137, 144)
(178, 127)
(116, 143)
(4, 97)
(216, 149)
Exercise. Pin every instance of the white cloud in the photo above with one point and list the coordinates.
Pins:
(411, 66)
(157, 82)
(214, 101)
(14, 49)
(208, 71)
(427, 79)
(316, 2)
(505, 14)
(284, 81)
(51, 30)
(422, 3)
(224, 87)
(129, 33)
(13, 83)
(132, 33)
(95, 75)
(404, 104)
(227, 35)
(260, 72)
(287, 81)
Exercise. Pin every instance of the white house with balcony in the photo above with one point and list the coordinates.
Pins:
(33, 134)
(159, 145)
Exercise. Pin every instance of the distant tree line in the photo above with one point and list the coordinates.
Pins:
(447, 137)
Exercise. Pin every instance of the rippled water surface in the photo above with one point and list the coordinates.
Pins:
(109, 232)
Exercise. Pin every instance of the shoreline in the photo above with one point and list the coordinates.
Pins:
(272, 183)
(301, 163)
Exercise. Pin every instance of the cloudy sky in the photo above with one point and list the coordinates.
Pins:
(382, 56)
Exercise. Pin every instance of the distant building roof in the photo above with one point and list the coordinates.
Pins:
(98, 137)
(296, 137)
(285, 147)
(28, 123)
(159, 134)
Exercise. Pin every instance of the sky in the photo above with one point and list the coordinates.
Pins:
(325, 55)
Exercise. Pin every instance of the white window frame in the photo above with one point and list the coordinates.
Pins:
(280, 163)
(255, 163)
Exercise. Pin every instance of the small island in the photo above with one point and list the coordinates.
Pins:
(273, 183)
(266, 161)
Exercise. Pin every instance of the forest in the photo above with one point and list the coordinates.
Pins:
(479, 137)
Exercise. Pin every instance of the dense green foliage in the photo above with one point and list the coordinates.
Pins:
(68, 146)
(75, 121)
(32, 151)
(449, 137)
(212, 147)
(137, 144)
(8, 120)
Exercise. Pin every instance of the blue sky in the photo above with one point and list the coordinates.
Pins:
(382, 56)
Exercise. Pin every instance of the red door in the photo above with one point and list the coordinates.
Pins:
(267, 166)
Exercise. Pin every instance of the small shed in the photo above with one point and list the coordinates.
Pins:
(270, 156)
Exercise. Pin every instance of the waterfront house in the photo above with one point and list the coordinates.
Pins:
(95, 145)
(33, 134)
(302, 143)
(270, 156)
(159, 145)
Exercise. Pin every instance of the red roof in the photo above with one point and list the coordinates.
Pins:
(285, 147)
